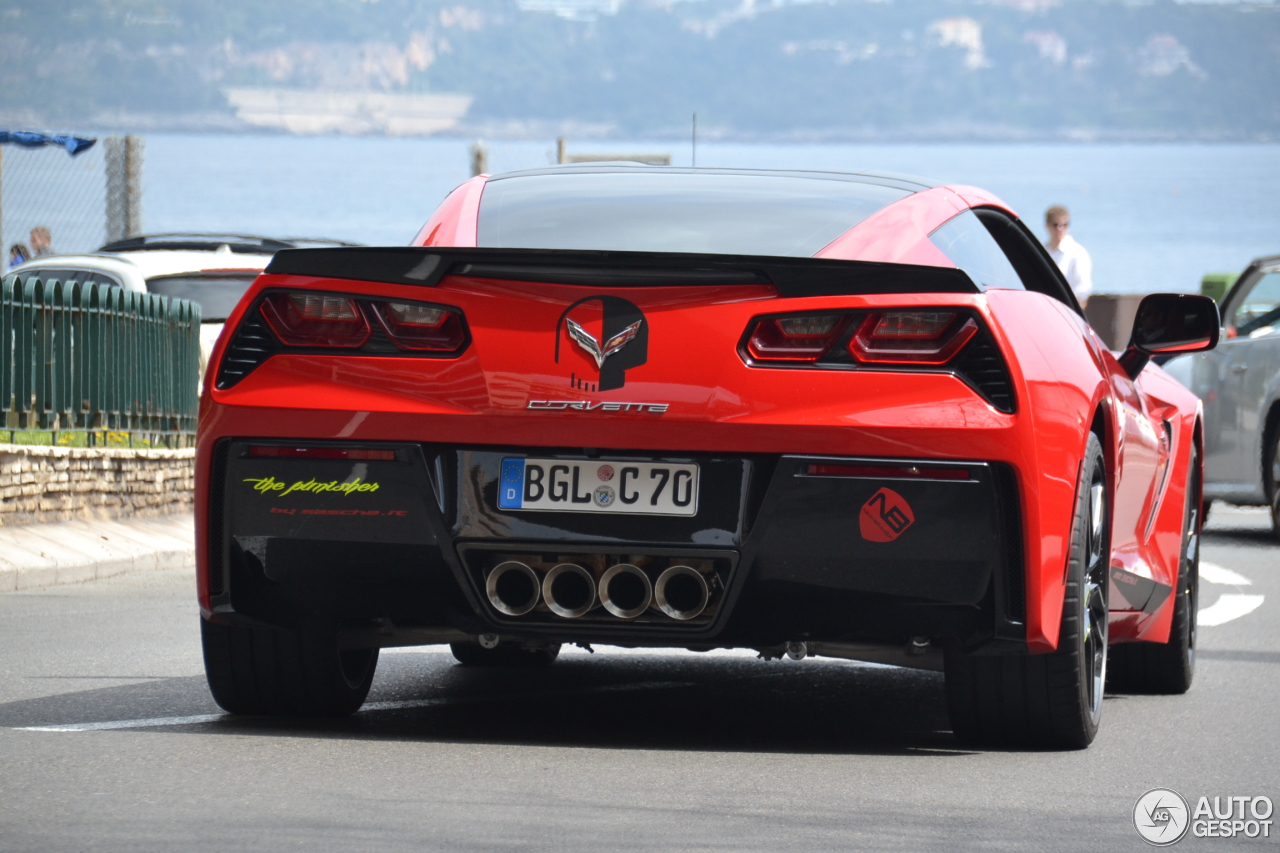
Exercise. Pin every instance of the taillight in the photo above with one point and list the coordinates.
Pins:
(801, 338)
(316, 320)
(915, 337)
(413, 326)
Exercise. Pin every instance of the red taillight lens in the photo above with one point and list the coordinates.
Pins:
(414, 326)
(279, 452)
(803, 338)
(316, 320)
(916, 337)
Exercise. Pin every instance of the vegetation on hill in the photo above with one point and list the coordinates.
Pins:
(842, 68)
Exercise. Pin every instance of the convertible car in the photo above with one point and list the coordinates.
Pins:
(851, 415)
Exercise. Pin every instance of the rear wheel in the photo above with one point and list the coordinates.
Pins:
(474, 654)
(1169, 667)
(260, 669)
(1055, 699)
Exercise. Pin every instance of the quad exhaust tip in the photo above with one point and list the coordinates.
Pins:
(513, 588)
(569, 590)
(625, 591)
(681, 592)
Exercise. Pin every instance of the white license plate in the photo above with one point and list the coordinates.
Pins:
(563, 485)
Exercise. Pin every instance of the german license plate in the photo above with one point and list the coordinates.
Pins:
(564, 485)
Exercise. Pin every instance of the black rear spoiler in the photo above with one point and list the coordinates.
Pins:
(791, 276)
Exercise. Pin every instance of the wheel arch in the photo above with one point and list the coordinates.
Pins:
(1271, 426)
(1104, 427)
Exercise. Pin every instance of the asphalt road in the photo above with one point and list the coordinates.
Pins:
(612, 751)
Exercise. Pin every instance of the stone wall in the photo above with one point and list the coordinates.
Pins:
(42, 484)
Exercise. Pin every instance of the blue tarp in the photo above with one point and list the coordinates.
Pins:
(26, 138)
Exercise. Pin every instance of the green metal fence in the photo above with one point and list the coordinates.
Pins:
(92, 357)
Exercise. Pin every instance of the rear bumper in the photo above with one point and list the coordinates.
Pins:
(791, 548)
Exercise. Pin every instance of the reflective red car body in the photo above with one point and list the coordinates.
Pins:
(856, 380)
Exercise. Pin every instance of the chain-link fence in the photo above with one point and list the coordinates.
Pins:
(83, 201)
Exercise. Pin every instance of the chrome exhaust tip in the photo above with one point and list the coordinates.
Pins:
(512, 588)
(625, 591)
(569, 590)
(681, 592)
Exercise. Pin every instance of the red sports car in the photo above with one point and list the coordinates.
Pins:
(852, 415)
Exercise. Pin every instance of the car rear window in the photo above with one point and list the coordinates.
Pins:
(217, 294)
(970, 246)
(781, 215)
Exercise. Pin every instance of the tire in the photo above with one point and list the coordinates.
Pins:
(272, 671)
(1273, 466)
(474, 654)
(1051, 700)
(1169, 667)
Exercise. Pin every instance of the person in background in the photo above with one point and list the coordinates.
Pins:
(41, 242)
(18, 254)
(1071, 257)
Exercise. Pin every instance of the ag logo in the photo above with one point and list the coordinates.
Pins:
(885, 517)
(1161, 817)
(604, 337)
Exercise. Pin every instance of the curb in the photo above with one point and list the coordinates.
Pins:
(40, 555)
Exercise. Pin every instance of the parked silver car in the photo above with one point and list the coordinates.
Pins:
(1239, 383)
(212, 269)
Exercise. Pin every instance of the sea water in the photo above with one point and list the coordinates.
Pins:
(1155, 217)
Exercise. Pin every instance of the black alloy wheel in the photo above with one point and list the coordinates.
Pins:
(504, 654)
(1095, 594)
(1170, 667)
(1048, 700)
(261, 669)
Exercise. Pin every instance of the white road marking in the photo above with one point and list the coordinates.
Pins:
(125, 724)
(1213, 573)
(1229, 606)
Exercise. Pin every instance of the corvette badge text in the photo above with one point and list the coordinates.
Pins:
(272, 486)
(589, 406)
(1162, 817)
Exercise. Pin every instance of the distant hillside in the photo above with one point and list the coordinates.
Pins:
(839, 69)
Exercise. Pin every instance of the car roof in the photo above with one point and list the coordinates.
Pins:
(134, 260)
(910, 183)
(126, 272)
(133, 269)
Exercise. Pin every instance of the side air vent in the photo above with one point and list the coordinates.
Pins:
(981, 366)
(251, 345)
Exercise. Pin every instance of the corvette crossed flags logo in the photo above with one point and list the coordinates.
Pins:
(587, 341)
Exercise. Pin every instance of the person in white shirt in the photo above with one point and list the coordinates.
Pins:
(1070, 256)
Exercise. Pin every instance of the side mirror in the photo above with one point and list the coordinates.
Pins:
(1170, 324)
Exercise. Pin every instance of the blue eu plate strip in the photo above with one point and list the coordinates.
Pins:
(511, 485)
